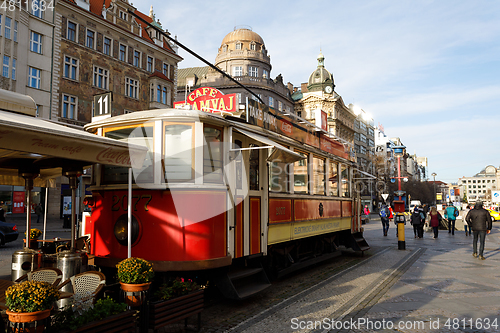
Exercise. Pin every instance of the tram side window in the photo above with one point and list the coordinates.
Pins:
(178, 152)
(212, 155)
(345, 179)
(300, 176)
(318, 176)
(136, 134)
(278, 177)
(334, 179)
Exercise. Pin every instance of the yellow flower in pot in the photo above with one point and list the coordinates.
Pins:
(34, 233)
(135, 276)
(30, 301)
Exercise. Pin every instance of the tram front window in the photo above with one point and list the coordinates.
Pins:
(212, 155)
(344, 176)
(136, 134)
(178, 152)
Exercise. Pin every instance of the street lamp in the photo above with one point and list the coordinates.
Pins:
(434, 175)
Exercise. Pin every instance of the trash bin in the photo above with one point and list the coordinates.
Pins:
(24, 261)
(67, 221)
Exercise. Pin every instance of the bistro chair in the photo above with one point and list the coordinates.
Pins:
(47, 274)
(85, 287)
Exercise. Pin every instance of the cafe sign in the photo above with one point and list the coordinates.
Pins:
(211, 100)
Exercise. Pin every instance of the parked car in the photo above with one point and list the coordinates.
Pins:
(8, 232)
(495, 216)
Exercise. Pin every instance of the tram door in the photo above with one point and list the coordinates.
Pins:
(251, 181)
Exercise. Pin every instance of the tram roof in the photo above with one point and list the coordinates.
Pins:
(151, 115)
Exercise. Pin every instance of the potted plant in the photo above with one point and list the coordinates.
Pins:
(176, 300)
(34, 234)
(104, 316)
(30, 301)
(135, 276)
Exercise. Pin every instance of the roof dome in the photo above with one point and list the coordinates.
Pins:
(320, 77)
(242, 34)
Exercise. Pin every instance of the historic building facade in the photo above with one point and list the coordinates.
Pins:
(26, 38)
(101, 48)
(244, 56)
(319, 95)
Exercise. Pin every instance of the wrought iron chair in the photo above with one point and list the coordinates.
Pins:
(85, 287)
(47, 274)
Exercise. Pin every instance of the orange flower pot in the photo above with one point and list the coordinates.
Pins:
(133, 292)
(28, 317)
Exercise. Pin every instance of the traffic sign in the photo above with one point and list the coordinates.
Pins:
(385, 196)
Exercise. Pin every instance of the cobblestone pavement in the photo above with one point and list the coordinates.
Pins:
(433, 285)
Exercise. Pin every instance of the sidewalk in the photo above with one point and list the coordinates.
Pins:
(433, 285)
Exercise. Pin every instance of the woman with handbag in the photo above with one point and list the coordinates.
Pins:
(435, 220)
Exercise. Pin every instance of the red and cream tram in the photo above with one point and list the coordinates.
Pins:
(225, 194)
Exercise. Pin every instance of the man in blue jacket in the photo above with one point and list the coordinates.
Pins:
(451, 213)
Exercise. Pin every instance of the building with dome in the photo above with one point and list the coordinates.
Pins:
(244, 56)
(319, 95)
(349, 124)
(481, 185)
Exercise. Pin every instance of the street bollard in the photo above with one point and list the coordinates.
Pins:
(400, 220)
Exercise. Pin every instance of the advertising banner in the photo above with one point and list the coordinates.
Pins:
(18, 202)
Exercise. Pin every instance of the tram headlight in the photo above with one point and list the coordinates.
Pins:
(121, 231)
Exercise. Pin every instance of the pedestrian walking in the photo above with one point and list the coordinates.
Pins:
(38, 212)
(417, 220)
(468, 230)
(479, 219)
(2, 212)
(384, 217)
(451, 213)
(435, 220)
(366, 211)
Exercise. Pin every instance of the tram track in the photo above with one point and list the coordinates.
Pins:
(282, 303)
(222, 315)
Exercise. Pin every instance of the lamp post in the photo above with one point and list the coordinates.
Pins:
(399, 207)
(434, 176)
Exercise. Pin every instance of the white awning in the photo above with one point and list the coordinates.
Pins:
(34, 142)
(280, 153)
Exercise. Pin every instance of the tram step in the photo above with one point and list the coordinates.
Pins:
(358, 243)
(243, 282)
(250, 290)
(242, 273)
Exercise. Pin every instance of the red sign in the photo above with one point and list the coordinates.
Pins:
(324, 121)
(18, 202)
(210, 100)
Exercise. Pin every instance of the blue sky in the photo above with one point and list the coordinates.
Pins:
(428, 71)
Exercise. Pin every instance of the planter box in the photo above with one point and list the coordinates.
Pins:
(162, 313)
(122, 322)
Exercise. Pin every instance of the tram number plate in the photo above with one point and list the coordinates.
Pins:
(121, 202)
